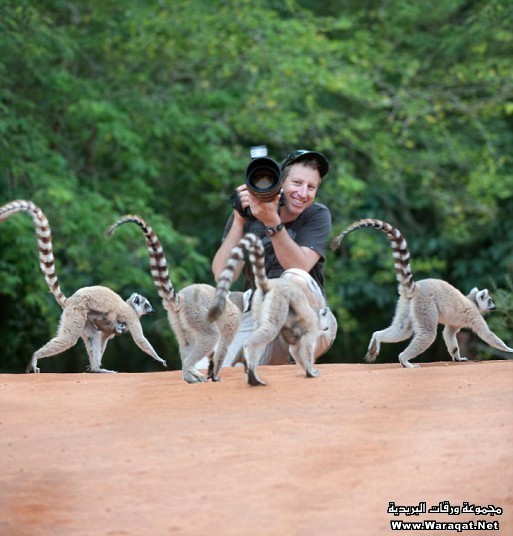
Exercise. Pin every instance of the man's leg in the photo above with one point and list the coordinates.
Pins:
(243, 333)
(317, 301)
(275, 353)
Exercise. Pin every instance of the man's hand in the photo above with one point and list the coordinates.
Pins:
(266, 212)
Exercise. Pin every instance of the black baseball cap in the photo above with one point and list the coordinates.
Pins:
(302, 154)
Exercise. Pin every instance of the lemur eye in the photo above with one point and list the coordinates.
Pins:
(137, 300)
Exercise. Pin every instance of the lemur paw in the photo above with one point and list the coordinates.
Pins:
(120, 328)
(370, 357)
(214, 378)
(253, 379)
(240, 359)
(194, 376)
(407, 364)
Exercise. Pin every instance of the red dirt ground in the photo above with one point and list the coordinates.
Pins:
(147, 454)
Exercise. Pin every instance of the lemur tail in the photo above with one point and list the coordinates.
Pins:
(251, 244)
(399, 246)
(158, 263)
(44, 242)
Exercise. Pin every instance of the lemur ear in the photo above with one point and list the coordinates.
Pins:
(475, 289)
(483, 294)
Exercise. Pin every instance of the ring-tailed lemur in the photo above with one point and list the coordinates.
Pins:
(187, 311)
(279, 306)
(424, 304)
(95, 313)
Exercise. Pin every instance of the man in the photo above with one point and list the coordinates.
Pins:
(295, 238)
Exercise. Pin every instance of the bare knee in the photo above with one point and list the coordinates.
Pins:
(313, 293)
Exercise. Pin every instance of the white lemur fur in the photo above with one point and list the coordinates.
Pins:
(94, 313)
(279, 306)
(424, 304)
(187, 311)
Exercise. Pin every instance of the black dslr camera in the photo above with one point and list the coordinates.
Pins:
(263, 178)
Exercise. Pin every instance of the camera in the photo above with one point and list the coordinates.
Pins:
(263, 176)
(263, 179)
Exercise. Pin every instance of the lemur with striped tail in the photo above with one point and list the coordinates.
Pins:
(187, 311)
(424, 304)
(95, 313)
(279, 306)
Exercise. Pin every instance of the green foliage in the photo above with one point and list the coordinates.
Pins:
(501, 322)
(109, 108)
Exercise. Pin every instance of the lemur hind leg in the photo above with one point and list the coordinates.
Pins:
(95, 343)
(399, 330)
(303, 354)
(191, 353)
(420, 343)
(228, 329)
(425, 323)
(255, 346)
(269, 322)
(250, 367)
(71, 326)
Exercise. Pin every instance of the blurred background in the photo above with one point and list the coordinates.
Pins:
(150, 107)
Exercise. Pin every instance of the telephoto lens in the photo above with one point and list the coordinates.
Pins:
(263, 178)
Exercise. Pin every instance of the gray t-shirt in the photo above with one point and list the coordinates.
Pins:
(311, 229)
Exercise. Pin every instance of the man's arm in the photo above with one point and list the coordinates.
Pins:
(235, 233)
(291, 255)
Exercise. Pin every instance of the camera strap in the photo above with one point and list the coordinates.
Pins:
(237, 205)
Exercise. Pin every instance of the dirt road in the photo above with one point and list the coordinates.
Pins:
(147, 454)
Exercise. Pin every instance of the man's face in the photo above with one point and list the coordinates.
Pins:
(300, 188)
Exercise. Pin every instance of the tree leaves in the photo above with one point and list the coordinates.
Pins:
(108, 108)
